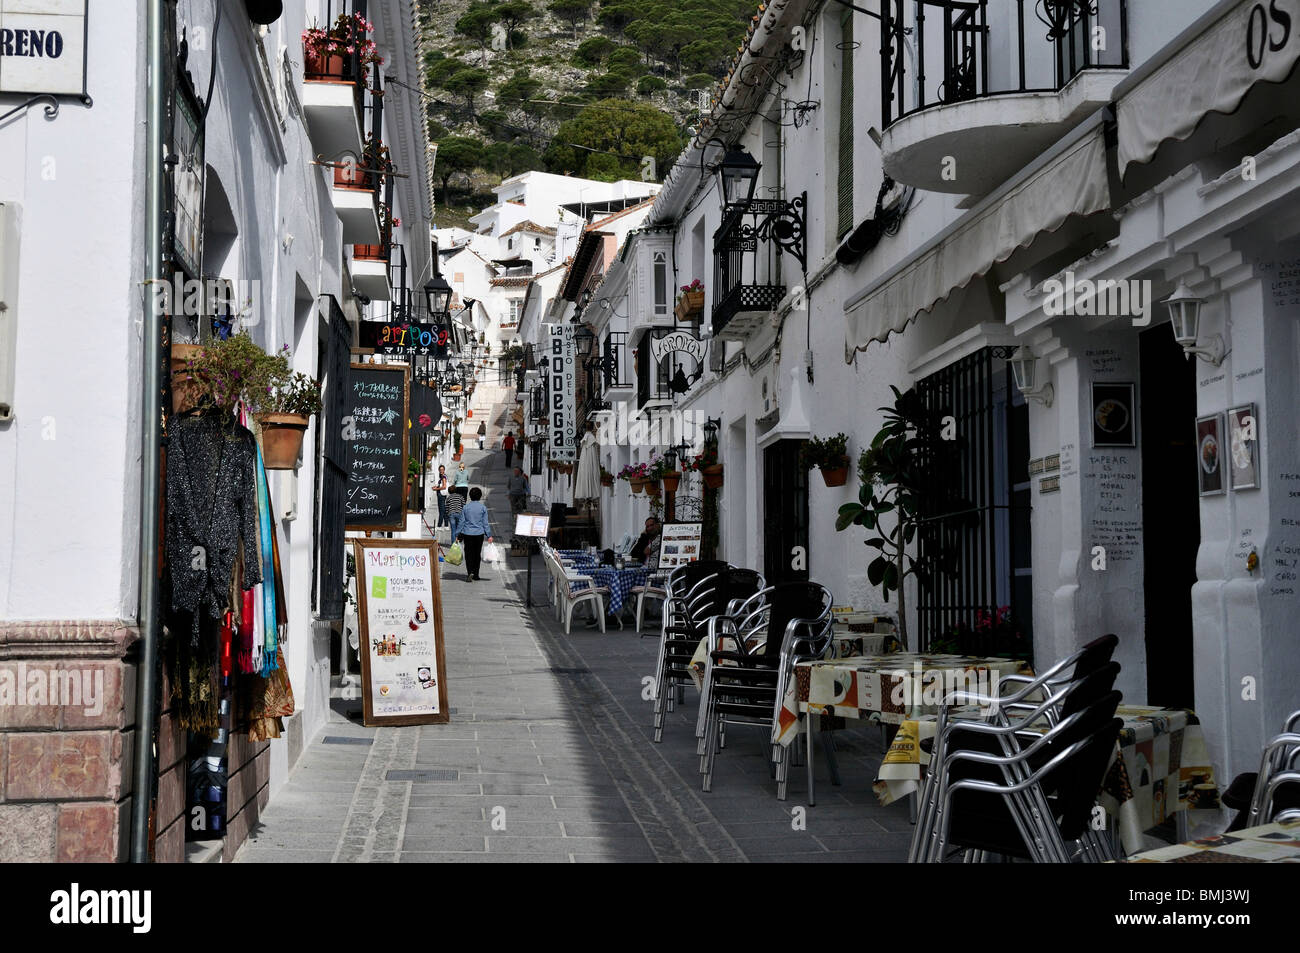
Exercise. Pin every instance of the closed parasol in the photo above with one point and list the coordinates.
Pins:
(586, 485)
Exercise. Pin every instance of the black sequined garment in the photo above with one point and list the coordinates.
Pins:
(211, 507)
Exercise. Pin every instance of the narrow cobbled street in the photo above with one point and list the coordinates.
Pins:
(549, 755)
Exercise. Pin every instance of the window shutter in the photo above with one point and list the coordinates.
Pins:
(845, 163)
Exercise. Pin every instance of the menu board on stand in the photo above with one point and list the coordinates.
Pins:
(679, 544)
(375, 422)
(403, 659)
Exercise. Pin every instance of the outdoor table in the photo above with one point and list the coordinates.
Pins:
(888, 688)
(1160, 767)
(619, 582)
(1267, 844)
(842, 646)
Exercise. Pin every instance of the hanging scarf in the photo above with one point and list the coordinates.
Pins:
(248, 601)
(270, 630)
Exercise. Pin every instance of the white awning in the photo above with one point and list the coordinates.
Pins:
(1068, 180)
(1209, 69)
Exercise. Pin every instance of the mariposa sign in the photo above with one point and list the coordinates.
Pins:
(406, 338)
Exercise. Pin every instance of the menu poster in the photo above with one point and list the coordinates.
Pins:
(375, 421)
(530, 524)
(403, 662)
(679, 544)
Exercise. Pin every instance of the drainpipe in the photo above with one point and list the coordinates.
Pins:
(151, 441)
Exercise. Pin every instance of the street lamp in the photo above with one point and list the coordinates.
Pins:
(1185, 316)
(711, 426)
(737, 175)
(1024, 368)
(437, 295)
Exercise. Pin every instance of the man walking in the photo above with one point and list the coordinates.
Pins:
(508, 445)
(518, 488)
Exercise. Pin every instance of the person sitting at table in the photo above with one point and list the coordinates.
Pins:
(652, 530)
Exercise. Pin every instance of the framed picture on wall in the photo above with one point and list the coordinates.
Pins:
(1209, 454)
(1114, 416)
(1243, 447)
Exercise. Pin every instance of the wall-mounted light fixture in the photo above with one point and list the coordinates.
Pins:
(1024, 368)
(1185, 317)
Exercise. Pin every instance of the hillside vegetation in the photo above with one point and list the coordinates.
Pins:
(570, 86)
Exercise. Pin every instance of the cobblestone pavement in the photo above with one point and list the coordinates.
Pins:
(549, 757)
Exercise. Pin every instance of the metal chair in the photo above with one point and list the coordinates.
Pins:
(1247, 791)
(744, 685)
(686, 605)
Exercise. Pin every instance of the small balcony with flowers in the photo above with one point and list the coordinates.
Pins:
(372, 263)
(356, 192)
(973, 91)
(336, 67)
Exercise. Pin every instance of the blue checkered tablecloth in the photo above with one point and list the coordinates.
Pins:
(619, 582)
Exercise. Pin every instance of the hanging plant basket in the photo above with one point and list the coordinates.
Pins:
(322, 67)
(836, 476)
(282, 436)
(637, 485)
(712, 476)
(691, 304)
(652, 488)
(671, 479)
(607, 481)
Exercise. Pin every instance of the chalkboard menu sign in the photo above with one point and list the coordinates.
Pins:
(375, 421)
(401, 338)
(403, 661)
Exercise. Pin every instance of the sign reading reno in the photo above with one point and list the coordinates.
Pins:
(43, 47)
(564, 423)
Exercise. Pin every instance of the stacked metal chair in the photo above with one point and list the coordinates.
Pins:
(689, 589)
(746, 684)
(1272, 794)
(1023, 782)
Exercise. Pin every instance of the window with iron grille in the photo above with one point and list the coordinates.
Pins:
(660, 274)
(975, 498)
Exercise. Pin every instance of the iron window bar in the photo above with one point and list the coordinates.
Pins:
(747, 251)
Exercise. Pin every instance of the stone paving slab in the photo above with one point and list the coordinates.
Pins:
(558, 766)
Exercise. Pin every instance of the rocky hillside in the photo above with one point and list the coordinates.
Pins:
(537, 84)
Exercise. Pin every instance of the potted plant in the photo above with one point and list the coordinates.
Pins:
(654, 471)
(235, 370)
(635, 475)
(830, 456)
(412, 471)
(606, 478)
(287, 410)
(671, 480)
(690, 301)
(185, 389)
(326, 51)
(708, 467)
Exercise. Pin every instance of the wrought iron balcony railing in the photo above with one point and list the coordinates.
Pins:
(747, 256)
(959, 55)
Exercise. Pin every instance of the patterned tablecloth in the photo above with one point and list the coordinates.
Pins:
(890, 688)
(619, 581)
(1266, 844)
(842, 646)
(1162, 767)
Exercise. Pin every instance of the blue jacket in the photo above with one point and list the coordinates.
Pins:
(474, 520)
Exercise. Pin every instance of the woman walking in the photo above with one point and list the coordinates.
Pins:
(456, 499)
(440, 488)
(475, 527)
(482, 433)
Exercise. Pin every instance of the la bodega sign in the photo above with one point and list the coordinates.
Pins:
(43, 47)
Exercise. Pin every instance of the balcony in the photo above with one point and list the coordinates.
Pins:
(356, 202)
(748, 252)
(616, 380)
(332, 104)
(370, 271)
(985, 98)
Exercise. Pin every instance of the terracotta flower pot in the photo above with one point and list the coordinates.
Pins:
(282, 436)
(329, 66)
(637, 485)
(607, 481)
(185, 389)
(692, 303)
(671, 479)
(371, 252)
(712, 476)
(652, 487)
(836, 476)
(351, 176)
